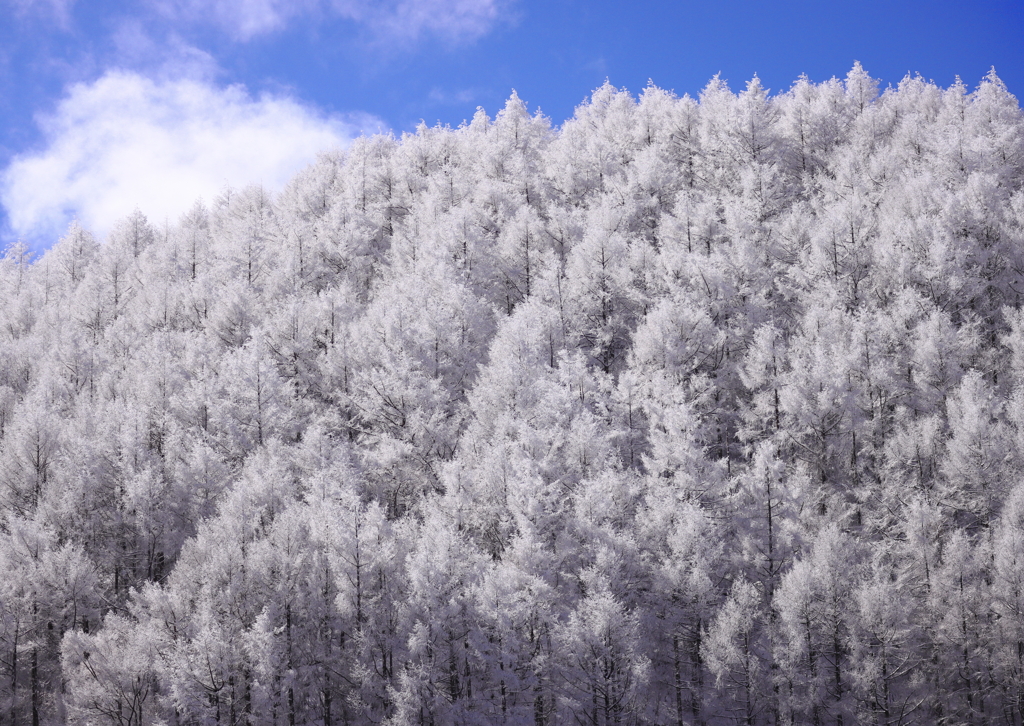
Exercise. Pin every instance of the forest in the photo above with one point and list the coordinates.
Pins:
(696, 411)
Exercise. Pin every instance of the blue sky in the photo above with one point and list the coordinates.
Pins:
(105, 106)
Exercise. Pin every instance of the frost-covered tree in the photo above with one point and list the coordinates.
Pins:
(687, 410)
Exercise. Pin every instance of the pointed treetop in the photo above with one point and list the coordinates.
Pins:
(993, 79)
(715, 86)
(515, 107)
(860, 86)
(481, 121)
(755, 87)
(604, 94)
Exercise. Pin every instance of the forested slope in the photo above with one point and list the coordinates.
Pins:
(689, 411)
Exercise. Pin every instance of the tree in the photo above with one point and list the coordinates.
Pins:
(360, 635)
(813, 121)
(598, 286)
(193, 240)
(1008, 607)
(111, 674)
(603, 667)
(512, 645)
(592, 148)
(247, 227)
(30, 447)
(684, 543)
(50, 589)
(976, 454)
(257, 404)
(960, 598)
(413, 357)
(440, 675)
(886, 656)
(815, 604)
(74, 253)
(733, 650)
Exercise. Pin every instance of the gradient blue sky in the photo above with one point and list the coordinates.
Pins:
(105, 106)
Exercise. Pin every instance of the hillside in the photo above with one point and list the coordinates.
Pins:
(688, 411)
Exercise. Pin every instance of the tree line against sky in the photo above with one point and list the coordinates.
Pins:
(689, 411)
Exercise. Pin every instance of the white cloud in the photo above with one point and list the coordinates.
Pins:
(387, 20)
(126, 141)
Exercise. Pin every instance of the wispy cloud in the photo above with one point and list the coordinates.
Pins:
(241, 19)
(169, 57)
(454, 21)
(126, 141)
(451, 20)
(443, 97)
(57, 11)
